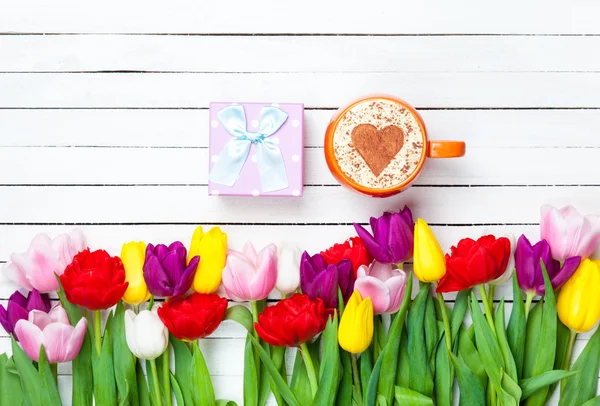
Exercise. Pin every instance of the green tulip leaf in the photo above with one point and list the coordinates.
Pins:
(563, 335)
(420, 378)
(390, 354)
(105, 391)
(264, 382)
(275, 375)
(300, 384)
(408, 397)
(487, 346)
(251, 375)
(532, 385)
(222, 402)
(458, 313)
(344, 394)
(370, 394)
(183, 369)
(533, 329)
(403, 371)
(177, 390)
(544, 360)
(432, 335)
(472, 387)
(593, 402)
(203, 388)
(511, 392)
(10, 385)
(583, 386)
(142, 385)
(124, 361)
(82, 364)
(277, 355)
(30, 379)
(125, 396)
(155, 395)
(444, 375)
(50, 395)
(509, 361)
(517, 327)
(241, 315)
(365, 363)
(330, 365)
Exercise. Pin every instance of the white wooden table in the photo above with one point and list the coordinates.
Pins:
(103, 118)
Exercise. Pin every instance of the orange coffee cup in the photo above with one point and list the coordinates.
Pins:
(378, 145)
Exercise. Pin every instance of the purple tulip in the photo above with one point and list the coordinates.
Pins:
(529, 269)
(165, 269)
(393, 237)
(320, 280)
(19, 307)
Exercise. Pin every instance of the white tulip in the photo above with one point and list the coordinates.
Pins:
(147, 336)
(288, 268)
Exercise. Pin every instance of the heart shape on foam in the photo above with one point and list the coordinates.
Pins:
(377, 147)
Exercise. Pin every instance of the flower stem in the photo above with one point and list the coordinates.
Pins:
(447, 331)
(491, 290)
(157, 394)
(528, 301)
(567, 361)
(310, 369)
(166, 369)
(356, 375)
(254, 305)
(488, 309)
(54, 369)
(97, 331)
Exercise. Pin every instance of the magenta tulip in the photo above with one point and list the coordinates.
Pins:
(45, 258)
(19, 306)
(249, 276)
(569, 233)
(60, 339)
(383, 284)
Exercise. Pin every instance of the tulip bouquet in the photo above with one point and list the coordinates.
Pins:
(345, 318)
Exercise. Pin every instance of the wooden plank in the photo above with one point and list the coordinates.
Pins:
(156, 204)
(176, 166)
(435, 17)
(188, 128)
(84, 53)
(184, 90)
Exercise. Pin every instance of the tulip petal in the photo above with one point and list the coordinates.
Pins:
(250, 253)
(30, 337)
(377, 251)
(39, 319)
(375, 289)
(4, 320)
(59, 315)
(237, 276)
(185, 280)
(565, 273)
(397, 288)
(159, 283)
(129, 333)
(76, 340)
(264, 280)
(16, 273)
(56, 341)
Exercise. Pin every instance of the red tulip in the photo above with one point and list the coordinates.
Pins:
(292, 321)
(193, 317)
(473, 263)
(353, 249)
(94, 280)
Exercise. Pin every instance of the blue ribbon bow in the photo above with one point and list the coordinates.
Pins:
(231, 160)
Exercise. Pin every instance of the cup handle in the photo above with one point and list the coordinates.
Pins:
(445, 149)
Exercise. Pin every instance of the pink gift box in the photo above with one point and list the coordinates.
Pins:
(256, 149)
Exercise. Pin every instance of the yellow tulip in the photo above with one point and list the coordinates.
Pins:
(133, 255)
(212, 249)
(356, 326)
(429, 262)
(578, 302)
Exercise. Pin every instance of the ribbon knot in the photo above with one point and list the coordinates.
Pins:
(232, 158)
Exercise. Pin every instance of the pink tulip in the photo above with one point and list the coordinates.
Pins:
(384, 285)
(569, 233)
(61, 341)
(45, 258)
(250, 276)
